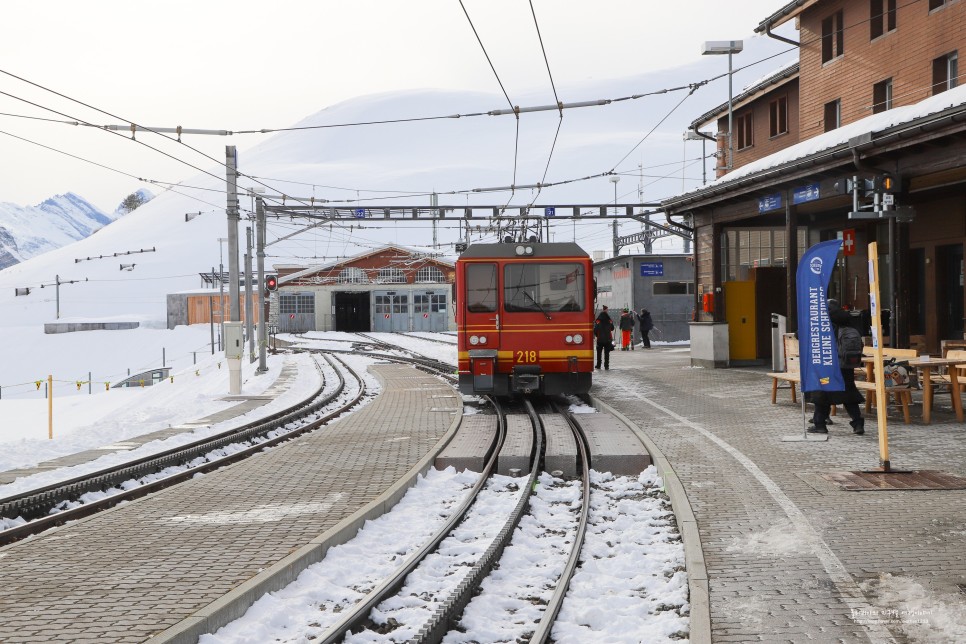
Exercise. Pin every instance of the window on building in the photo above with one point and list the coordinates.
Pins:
(429, 303)
(353, 275)
(945, 72)
(295, 304)
(391, 276)
(391, 303)
(935, 4)
(430, 274)
(882, 96)
(778, 116)
(745, 248)
(833, 115)
(673, 288)
(882, 17)
(743, 125)
(833, 37)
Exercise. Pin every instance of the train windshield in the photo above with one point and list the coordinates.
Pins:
(543, 288)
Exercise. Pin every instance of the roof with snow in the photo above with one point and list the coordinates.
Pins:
(947, 108)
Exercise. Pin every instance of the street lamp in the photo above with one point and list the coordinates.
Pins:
(716, 48)
(693, 135)
(614, 178)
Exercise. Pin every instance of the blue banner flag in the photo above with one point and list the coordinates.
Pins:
(818, 354)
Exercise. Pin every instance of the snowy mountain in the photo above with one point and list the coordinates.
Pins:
(28, 231)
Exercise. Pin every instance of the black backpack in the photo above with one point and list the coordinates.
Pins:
(850, 347)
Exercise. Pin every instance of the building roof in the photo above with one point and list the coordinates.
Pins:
(755, 89)
(783, 15)
(933, 113)
(423, 253)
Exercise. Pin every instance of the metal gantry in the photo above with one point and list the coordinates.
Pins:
(516, 223)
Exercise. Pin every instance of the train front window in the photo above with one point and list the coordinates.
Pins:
(481, 288)
(543, 288)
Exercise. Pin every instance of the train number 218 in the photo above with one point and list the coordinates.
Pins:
(526, 356)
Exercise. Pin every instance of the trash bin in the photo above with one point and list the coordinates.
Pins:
(779, 323)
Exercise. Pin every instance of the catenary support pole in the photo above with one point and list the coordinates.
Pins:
(233, 353)
(262, 294)
(249, 325)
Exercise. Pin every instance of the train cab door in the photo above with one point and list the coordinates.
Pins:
(481, 322)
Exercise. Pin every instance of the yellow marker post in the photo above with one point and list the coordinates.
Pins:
(881, 403)
(50, 407)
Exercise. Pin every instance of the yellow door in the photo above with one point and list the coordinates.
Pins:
(740, 316)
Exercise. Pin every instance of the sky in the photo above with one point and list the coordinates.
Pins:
(642, 569)
(246, 65)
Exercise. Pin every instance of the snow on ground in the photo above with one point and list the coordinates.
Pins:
(97, 421)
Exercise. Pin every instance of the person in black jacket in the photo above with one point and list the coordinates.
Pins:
(604, 334)
(646, 324)
(850, 398)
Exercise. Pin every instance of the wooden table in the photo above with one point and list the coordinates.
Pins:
(925, 365)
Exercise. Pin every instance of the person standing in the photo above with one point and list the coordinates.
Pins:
(849, 398)
(604, 334)
(626, 323)
(646, 324)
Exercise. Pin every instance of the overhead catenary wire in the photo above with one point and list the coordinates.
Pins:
(516, 144)
(515, 110)
(553, 146)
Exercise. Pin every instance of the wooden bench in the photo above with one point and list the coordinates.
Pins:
(792, 374)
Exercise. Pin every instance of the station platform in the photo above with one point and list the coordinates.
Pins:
(793, 547)
(169, 566)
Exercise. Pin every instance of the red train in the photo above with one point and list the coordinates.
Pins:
(525, 318)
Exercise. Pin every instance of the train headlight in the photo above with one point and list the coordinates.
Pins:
(482, 339)
(520, 250)
(569, 339)
(578, 339)
(474, 340)
(524, 250)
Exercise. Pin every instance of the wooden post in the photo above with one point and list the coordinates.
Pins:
(881, 402)
(50, 407)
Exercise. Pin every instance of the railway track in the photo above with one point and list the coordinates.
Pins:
(445, 578)
(34, 511)
(391, 352)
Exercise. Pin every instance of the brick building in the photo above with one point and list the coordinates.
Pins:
(875, 93)
(393, 288)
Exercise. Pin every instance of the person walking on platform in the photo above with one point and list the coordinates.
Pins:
(626, 323)
(604, 334)
(851, 396)
(646, 324)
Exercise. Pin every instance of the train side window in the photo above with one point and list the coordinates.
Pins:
(481, 288)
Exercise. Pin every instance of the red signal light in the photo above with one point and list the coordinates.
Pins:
(271, 283)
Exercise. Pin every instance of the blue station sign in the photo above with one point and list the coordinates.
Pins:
(805, 194)
(770, 202)
(652, 269)
(550, 212)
